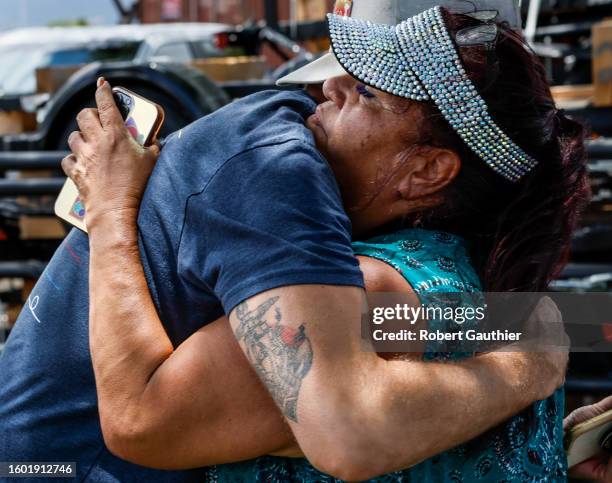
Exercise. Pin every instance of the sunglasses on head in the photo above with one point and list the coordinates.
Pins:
(483, 34)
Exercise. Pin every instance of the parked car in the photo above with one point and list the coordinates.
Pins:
(22, 51)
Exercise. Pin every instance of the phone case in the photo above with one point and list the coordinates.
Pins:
(583, 441)
(143, 121)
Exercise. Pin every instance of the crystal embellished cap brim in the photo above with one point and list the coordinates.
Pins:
(417, 59)
(372, 53)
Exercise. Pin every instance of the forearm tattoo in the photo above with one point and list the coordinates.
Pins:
(281, 355)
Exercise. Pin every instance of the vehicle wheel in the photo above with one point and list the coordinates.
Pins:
(211, 98)
(173, 121)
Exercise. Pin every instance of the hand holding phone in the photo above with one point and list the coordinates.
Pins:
(588, 439)
(143, 119)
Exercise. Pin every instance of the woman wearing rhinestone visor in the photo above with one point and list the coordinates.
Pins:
(444, 139)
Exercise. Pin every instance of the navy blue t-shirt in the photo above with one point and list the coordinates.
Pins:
(239, 202)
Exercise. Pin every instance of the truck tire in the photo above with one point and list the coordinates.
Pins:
(211, 98)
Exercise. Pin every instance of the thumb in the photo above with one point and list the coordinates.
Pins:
(109, 114)
(154, 149)
(580, 415)
(587, 412)
(604, 405)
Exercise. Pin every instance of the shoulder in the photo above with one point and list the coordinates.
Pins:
(280, 188)
(426, 260)
(283, 167)
(379, 276)
(258, 120)
(267, 117)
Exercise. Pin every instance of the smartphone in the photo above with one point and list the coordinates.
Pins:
(588, 439)
(143, 120)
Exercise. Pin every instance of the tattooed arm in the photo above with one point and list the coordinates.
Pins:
(202, 403)
(355, 415)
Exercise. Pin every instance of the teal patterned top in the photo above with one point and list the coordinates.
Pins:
(526, 448)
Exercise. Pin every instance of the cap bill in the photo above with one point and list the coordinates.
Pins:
(316, 72)
(372, 53)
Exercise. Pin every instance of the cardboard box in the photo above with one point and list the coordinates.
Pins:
(602, 63)
(232, 68)
(12, 122)
(573, 96)
(311, 10)
(50, 79)
(40, 228)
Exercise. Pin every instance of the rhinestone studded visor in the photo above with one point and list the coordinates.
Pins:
(372, 53)
(418, 60)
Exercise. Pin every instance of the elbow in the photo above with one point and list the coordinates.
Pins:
(352, 443)
(350, 463)
(129, 441)
(351, 460)
(349, 467)
(354, 451)
(121, 439)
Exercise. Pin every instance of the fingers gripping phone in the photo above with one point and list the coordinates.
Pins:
(588, 439)
(143, 119)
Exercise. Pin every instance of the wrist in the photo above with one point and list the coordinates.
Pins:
(122, 216)
(113, 226)
(515, 376)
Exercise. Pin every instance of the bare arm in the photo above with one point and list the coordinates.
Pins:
(152, 411)
(385, 415)
(202, 403)
(198, 405)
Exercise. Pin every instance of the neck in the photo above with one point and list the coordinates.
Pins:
(364, 227)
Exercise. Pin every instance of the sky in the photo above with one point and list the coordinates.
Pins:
(22, 13)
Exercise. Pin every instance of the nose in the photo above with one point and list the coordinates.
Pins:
(337, 89)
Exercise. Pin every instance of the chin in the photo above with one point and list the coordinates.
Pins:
(320, 142)
(322, 147)
(336, 171)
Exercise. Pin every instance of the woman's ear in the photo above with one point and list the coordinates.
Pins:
(429, 173)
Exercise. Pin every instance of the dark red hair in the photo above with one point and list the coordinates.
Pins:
(520, 233)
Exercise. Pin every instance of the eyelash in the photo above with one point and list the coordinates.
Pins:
(364, 91)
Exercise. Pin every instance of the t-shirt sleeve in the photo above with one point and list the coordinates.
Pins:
(270, 217)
